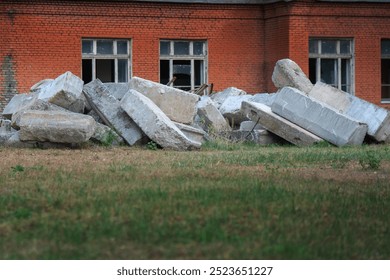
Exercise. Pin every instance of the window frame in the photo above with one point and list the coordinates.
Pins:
(171, 57)
(114, 56)
(384, 57)
(339, 56)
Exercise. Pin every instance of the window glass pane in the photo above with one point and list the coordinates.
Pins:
(199, 72)
(385, 47)
(105, 47)
(345, 75)
(181, 48)
(164, 48)
(328, 46)
(87, 70)
(328, 71)
(385, 69)
(182, 72)
(121, 47)
(105, 70)
(198, 48)
(87, 46)
(313, 46)
(164, 72)
(313, 70)
(122, 71)
(345, 46)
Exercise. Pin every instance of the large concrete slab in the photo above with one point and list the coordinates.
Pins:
(154, 123)
(231, 109)
(193, 133)
(17, 103)
(318, 118)
(377, 118)
(178, 105)
(36, 104)
(288, 74)
(106, 136)
(211, 119)
(110, 111)
(118, 90)
(55, 126)
(289, 131)
(65, 91)
(220, 97)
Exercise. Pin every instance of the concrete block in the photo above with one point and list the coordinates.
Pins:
(192, 133)
(118, 90)
(37, 104)
(377, 118)
(289, 131)
(110, 111)
(55, 126)
(178, 105)
(65, 91)
(17, 103)
(155, 124)
(220, 97)
(288, 74)
(318, 118)
(41, 84)
(231, 109)
(211, 118)
(264, 98)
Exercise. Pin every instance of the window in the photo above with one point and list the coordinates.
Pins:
(183, 61)
(385, 70)
(107, 60)
(331, 62)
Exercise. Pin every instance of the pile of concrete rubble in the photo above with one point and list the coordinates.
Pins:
(65, 112)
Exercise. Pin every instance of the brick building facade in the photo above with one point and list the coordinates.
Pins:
(227, 43)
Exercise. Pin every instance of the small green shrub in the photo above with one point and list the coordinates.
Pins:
(152, 146)
(17, 168)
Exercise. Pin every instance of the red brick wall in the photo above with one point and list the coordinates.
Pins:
(42, 39)
(366, 23)
(45, 37)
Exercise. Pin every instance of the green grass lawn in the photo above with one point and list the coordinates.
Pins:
(223, 202)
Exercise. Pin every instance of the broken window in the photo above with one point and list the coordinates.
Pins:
(106, 59)
(331, 62)
(385, 70)
(183, 61)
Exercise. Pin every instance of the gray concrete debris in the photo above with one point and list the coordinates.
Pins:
(377, 118)
(178, 105)
(288, 74)
(192, 133)
(220, 97)
(65, 91)
(109, 109)
(289, 131)
(231, 109)
(106, 136)
(37, 104)
(250, 125)
(155, 124)
(211, 119)
(17, 103)
(259, 137)
(264, 98)
(118, 90)
(56, 126)
(318, 118)
(41, 84)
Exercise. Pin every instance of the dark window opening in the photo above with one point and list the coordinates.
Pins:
(164, 71)
(105, 70)
(87, 70)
